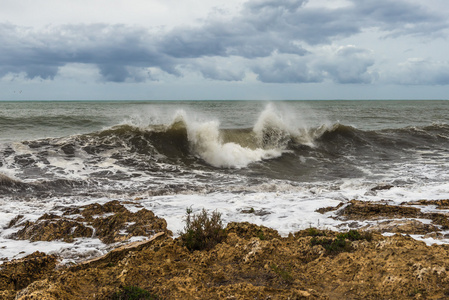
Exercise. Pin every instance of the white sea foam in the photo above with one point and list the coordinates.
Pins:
(290, 206)
(206, 141)
(286, 208)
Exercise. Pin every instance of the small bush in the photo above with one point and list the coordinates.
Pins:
(202, 232)
(312, 231)
(354, 235)
(343, 241)
(133, 293)
(332, 246)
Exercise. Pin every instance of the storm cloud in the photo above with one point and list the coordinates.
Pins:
(287, 41)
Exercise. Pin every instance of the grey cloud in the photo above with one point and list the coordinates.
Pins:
(421, 72)
(287, 69)
(290, 5)
(400, 17)
(214, 71)
(282, 35)
(349, 65)
(114, 49)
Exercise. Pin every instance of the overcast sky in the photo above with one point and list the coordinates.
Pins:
(233, 49)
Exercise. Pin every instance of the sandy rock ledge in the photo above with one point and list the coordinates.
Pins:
(254, 262)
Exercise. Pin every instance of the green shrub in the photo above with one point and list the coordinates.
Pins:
(342, 242)
(133, 293)
(332, 246)
(354, 235)
(202, 232)
(312, 231)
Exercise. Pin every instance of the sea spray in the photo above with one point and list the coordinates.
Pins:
(207, 142)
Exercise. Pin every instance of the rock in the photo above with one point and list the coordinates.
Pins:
(382, 187)
(246, 267)
(17, 274)
(402, 226)
(253, 262)
(248, 230)
(360, 210)
(110, 222)
(441, 204)
(49, 229)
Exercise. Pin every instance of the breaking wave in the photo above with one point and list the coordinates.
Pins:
(279, 145)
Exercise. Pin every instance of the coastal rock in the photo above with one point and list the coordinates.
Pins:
(110, 222)
(402, 226)
(253, 262)
(393, 218)
(360, 210)
(248, 230)
(49, 228)
(18, 274)
(247, 267)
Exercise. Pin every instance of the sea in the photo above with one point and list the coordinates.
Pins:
(283, 159)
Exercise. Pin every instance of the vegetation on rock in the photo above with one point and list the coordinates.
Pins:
(133, 293)
(201, 231)
(341, 243)
(242, 265)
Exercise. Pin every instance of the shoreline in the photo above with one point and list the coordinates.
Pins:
(253, 262)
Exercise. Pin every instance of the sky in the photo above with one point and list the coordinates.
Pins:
(214, 49)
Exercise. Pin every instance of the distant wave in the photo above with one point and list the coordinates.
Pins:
(276, 146)
(184, 141)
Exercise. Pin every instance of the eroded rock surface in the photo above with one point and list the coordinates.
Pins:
(249, 265)
(404, 218)
(110, 222)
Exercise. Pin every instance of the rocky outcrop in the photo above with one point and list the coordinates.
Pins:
(18, 274)
(254, 262)
(403, 218)
(110, 222)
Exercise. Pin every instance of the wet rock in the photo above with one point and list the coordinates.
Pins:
(402, 226)
(441, 204)
(382, 187)
(260, 212)
(399, 216)
(141, 223)
(49, 229)
(15, 221)
(110, 222)
(359, 210)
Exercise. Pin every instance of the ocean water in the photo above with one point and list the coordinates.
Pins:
(286, 159)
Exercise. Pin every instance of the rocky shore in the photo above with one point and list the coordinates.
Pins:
(252, 262)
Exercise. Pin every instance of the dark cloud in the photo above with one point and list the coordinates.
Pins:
(277, 40)
(114, 49)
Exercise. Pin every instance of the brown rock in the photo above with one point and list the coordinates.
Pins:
(110, 222)
(402, 226)
(245, 266)
(48, 229)
(360, 210)
(18, 274)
